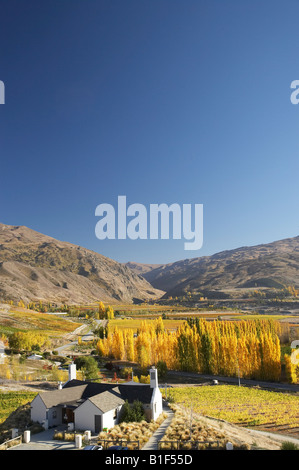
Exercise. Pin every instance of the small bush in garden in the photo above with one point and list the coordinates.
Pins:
(289, 446)
(132, 413)
(64, 436)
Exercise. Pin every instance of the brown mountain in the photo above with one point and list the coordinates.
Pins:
(269, 265)
(34, 266)
(140, 268)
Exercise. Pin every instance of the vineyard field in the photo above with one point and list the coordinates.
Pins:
(249, 407)
(10, 401)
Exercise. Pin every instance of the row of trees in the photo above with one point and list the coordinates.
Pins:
(250, 348)
(152, 344)
(101, 313)
(274, 293)
(104, 312)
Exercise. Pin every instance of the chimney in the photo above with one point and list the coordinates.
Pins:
(153, 377)
(72, 371)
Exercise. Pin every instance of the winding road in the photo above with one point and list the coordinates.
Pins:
(80, 331)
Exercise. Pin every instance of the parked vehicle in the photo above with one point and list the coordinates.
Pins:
(117, 448)
(93, 447)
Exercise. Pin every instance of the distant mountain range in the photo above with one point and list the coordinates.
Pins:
(34, 266)
(272, 265)
(140, 268)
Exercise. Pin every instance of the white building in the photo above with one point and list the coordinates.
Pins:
(34, 357)
(2, 352)
(94, 406)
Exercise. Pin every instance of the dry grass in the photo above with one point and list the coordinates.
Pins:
(183, 428)
(133, 431)
(64, 436)
(211, 430)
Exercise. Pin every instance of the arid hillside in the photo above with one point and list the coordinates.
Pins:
(34, 266)
(271, 265)
(140, 268)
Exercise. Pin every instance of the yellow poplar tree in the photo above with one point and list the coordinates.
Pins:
(290, 370)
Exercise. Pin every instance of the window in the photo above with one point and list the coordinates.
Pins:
(115, 413)
(54, 414)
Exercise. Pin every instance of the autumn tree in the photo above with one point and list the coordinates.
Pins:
(109, 313)
(101, 311)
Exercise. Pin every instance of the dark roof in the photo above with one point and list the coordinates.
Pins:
(131, 393)
(91, 388)
(141, 392)
(64, 396)
(104, 396)
(73, 383)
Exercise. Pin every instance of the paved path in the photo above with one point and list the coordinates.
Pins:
(44, 441)
(152, 443)
(279, 437)
(88, 335)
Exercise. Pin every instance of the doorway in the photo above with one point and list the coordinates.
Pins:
(98, 423)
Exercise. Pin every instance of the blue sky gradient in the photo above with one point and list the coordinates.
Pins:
(162, 101)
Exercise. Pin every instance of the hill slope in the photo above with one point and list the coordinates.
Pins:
(34, 266)
(141, 268)
(269, 265)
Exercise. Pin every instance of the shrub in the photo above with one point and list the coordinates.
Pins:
(145, 379)
(125, 372)
(162, 369)
(132, 413)
(289, 446)
(88, 365)
(64, 436)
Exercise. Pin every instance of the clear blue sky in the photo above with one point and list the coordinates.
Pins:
(161, 101)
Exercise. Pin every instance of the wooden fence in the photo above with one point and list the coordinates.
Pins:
(188, 445)
(11, 442)
(106, 443)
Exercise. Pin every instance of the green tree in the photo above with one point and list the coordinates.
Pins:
(88, 365)
(162, 369)
(132, 413)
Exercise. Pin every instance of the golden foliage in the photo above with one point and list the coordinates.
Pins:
(249, 348)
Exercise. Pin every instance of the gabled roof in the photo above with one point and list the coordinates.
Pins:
(63, 396)
(91, 388)
(106, 401)
(131, 393)
(105, 396)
